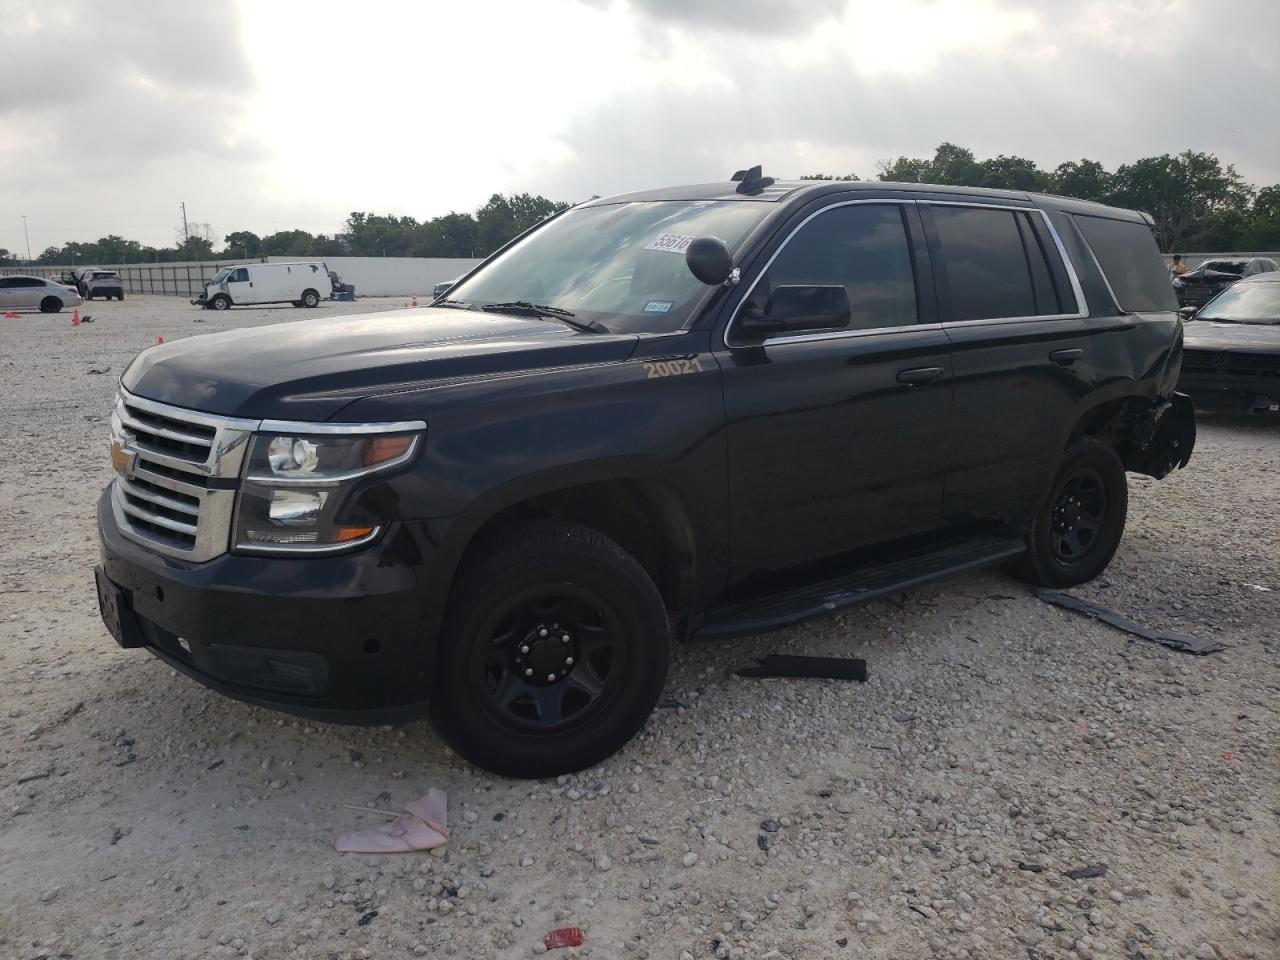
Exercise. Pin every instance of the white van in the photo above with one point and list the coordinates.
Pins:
(304, 284)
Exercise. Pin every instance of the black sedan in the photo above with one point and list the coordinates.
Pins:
(1197, 287)
(1231, 355)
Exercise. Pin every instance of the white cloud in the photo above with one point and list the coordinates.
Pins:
(266, 116)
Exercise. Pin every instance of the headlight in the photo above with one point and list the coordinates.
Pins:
(1179, 284)
(295, 484)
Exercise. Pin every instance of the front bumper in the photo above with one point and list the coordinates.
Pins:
(1232, 381)
(346, 638)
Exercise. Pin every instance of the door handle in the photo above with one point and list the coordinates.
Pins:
(1065, 358)
(919, 376)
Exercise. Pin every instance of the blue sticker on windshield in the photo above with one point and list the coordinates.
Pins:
(658, 306)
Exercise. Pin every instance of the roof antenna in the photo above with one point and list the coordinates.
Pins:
(751, 181)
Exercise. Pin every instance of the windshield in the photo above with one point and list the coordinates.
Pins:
(620, 264)
(1235, 267)
(221, 275)
(1247, 302)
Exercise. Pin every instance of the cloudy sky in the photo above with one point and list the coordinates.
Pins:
(269, 114)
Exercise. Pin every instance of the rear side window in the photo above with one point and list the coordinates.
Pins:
(863, 247)
(1131, 262)
(996, 264)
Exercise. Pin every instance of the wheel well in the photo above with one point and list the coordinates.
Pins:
(1125, 423)
(646, 518)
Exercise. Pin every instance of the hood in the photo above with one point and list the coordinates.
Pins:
(1247, 337)
(311, 369)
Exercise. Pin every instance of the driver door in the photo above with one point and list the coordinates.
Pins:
(837, 438)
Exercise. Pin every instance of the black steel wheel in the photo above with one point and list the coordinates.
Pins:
(1077, 529)
(50, 305)
(554, 651)
(1078, 516)
(545, 660)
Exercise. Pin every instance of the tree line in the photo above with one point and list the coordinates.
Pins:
(1197, 202)
(366, 235)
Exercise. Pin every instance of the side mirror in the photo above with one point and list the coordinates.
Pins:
(1188, 313)
(710, 260)
(801, 307)
(440, 289)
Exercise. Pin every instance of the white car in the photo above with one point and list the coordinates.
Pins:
(36, 293)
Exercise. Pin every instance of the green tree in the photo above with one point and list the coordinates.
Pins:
(453, 235)
(1178, 192)
(1085, 180)
(828, 176)
(504, 218)
(1013, 173)
(1262, 232)
(950, 165)
(242, 244)
(903, 170)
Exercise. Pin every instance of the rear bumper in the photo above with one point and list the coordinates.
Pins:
(348, 638)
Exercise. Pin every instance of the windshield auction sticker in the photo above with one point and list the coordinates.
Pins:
(669, 243)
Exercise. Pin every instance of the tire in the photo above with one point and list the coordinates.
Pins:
(296, 303)
(50, 305)
(220, 302)
(120, 297)
(556, 597)
(310, 299)
(1078, 526)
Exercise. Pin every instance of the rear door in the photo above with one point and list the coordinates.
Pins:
(1015, 316)
(837, 439)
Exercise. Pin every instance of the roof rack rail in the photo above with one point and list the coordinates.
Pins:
(751, 180)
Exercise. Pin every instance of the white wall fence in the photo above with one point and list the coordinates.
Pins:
(372, 276)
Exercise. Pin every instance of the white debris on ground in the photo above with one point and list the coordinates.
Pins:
(930, 812)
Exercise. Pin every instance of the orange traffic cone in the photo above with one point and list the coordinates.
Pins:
(415, 300)
(75, 317)
(9, 314)
(159, 340)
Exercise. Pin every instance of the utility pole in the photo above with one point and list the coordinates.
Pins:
(186, 237)
(27, 235)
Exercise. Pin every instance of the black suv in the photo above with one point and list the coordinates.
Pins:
(692, 412)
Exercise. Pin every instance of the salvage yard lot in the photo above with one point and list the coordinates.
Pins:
(929, 812)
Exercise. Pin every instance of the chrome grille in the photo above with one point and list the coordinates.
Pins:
(176, 474)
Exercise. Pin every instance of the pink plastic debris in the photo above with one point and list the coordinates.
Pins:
(425, 825)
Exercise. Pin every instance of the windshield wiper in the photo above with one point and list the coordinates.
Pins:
(453, 304)
(527, 309)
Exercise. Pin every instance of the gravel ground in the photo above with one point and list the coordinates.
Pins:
(930, 812)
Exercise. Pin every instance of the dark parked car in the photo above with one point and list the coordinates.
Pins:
(1197, 287)
(1231, 358)
(693, 412)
